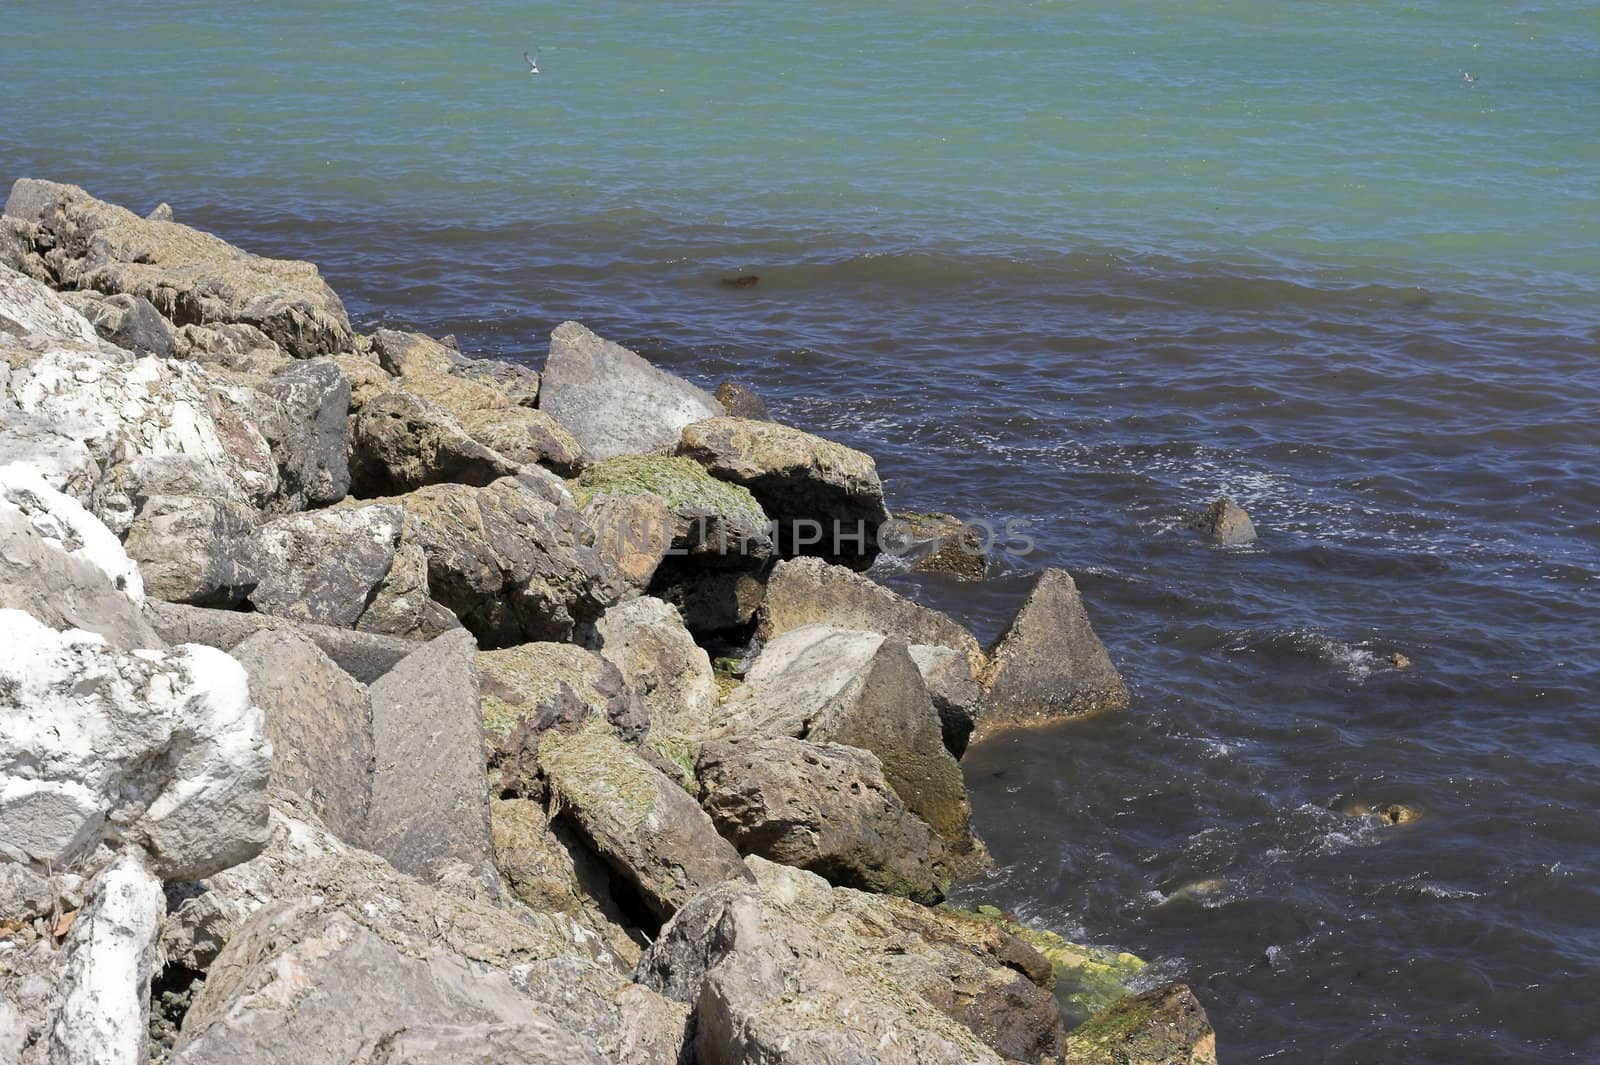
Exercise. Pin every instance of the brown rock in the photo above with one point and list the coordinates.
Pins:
(1166, 1026)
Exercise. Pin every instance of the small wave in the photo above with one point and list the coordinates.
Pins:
(1357, 661)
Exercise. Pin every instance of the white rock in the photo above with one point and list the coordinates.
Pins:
(104, 1016)
(32, 312)
(100, 749)
(68, 525)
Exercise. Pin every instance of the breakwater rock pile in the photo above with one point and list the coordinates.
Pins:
(362, 701)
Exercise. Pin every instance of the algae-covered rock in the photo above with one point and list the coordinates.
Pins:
(825, 497)
(1087, 978)
(1166, 1026)
(525, 435)
(651, 832)
(713, 522)
(935, 543)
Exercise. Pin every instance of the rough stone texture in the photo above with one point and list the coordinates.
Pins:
(399, 442)
(1050, 664)
(935, 543)
(236, 348)
(769, 984)
(861, 690)
(525, 690)
(713, 602)
(190, 276)
(188, 530)
(130, 322)
(740, 401)
(158, 750)
(1087, 978)
(809, 591)
(633, 534)
(312, 447)
(331, 955)
(650, 831)
(1226, 524)
(613, 401)
(955, 694)
(324, 566)
(527, 436)
(61, 565)
(319, 721)
(430, 801)
(822, 807)
(516, 382)
(365, 656)
(646, 640)
(797, 478)
(411, 354)
(31, 311)
(105, 976)
(514, 561)
(713, 524)
(1165, 1026)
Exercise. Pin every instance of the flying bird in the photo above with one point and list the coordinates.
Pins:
(533, 64)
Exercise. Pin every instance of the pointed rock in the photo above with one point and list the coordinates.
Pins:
(1226, 524)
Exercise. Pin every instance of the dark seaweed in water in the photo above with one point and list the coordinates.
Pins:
(1422, 475)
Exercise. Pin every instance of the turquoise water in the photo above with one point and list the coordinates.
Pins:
(1335, 135)
(1086, 266)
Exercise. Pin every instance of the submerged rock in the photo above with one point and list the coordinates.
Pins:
(1050, 664)
(190, 276)
(613, 401)
(935, 543)
(741, 401)
(825, 497)
(1087, 978)
(1165, 1026)
(1225, 523)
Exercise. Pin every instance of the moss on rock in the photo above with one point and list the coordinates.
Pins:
(1088, 978)
(682, 484)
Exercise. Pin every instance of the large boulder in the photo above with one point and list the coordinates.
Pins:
(311, 439)
(646, 640)
(862, 690)
(633, 534)
(190, 276)
(822, 807)
(430, 800)
(647, 827)
(712, 524)
(825, 497)
(101, 750)
(525, 435)
(809, 591)
(514, 560)
(61, 565)
(365, 656)
(527, 689)
(319, 722)
(771, 984)
(189, 531)
(351, 567)
(1049, 664)
(331, 953)
(399, 442)
(32, 313)
(613, 401)
(130, 322)
(1163, 1026)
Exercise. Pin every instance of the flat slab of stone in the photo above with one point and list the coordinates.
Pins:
(365, 656)
(613, 401)
(1050, 664)
(430, 798)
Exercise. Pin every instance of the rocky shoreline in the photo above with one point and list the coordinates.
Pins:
(362, 701)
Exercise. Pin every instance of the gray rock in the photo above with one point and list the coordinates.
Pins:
(313, 450)
(646, 640)
(430, 800)
(740, 401)
(399, 442)
(130, 322)
(156, 751)
(514, 561)
(809, 591)
(33, 313)
(861, 690)
(411, 354)
(645, 826)
(712, 602)
(822, 807)
(1226, 524)
(325, 566)
(61, 565)
(365, 656)
(613, 401)
(955, 694)
(770, 986)
(190, 535)
(1049, 664)
(825, 497)
(190, 276)
(319, 721)
(517, 383)
(527, 436)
